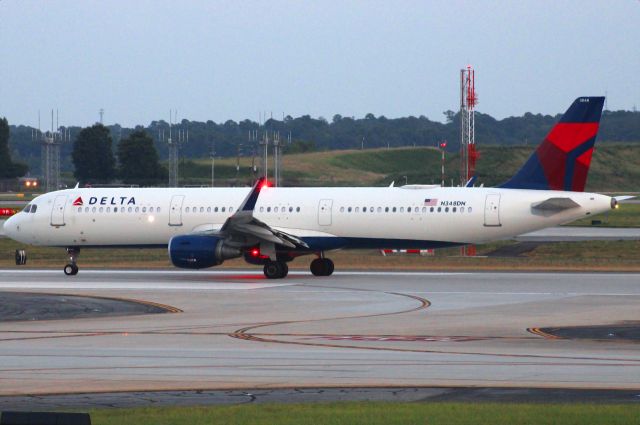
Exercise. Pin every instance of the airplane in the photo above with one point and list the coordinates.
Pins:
(271, 226)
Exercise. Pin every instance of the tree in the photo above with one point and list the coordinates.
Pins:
(138, 160)
(8, 168)
(93, 156)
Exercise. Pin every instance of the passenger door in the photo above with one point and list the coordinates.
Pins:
(57, 212)
(492, 210)
(175, 211)
(324, 212)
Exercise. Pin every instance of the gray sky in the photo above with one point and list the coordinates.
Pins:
(224, 60)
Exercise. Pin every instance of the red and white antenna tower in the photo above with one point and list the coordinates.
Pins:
(468, 101)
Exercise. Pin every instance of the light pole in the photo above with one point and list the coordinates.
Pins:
(443, 145)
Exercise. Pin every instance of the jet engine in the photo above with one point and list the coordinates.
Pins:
(200, 251)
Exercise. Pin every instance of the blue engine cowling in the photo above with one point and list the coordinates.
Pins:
(199, 251)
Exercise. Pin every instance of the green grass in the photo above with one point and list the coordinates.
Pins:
(369, 413)
(627, 215)
(562, 256)
(614, 167)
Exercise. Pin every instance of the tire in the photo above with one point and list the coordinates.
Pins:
(71, 270)
(329, 267)
(285, 270)
(273, 270)
(317, 267)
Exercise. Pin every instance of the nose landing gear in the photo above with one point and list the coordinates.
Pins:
(71, 269)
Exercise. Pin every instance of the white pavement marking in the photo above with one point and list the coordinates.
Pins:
(136, 285)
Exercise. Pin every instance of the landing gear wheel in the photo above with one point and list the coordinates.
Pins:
(21, 257)
(275, 270)
(71, 270)
(322, 267)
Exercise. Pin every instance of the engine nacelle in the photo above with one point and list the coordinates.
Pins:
(199, 251)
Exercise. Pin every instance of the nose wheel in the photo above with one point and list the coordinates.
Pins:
(322, 267)
(276, 269)
(71, 269)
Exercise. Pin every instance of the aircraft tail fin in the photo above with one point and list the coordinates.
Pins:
(562, 160)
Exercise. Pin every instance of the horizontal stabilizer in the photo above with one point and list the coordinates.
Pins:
(623, 198)
(555, 204)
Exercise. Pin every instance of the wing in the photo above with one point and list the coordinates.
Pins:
(242, 229)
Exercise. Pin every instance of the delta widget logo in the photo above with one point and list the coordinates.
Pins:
(78, 202)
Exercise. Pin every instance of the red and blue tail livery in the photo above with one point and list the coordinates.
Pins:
(562, 160)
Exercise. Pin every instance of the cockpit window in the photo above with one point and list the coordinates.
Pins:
(27, 208)
(34, 207)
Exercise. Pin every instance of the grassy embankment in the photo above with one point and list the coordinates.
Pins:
(614, 167)
(377, 413)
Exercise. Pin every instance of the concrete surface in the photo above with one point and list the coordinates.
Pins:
(354, 329)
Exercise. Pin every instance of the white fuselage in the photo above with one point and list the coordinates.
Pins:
(363, 217)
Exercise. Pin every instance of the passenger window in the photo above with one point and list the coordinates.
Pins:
(86, 209)
(469, 209)
(201, 209)
(446, 209)
(408, 209)
(101, 209)
(364, 209)
(371, 209)
(275, 209)
(185, 210)
(424, 210)
(290, 209)
(208, 209)
(439, 209)
(215, 209)
(357, 209)
(349, 209)
(223, 209)
(80, 209)
(93, 209)
(341, 209)
(130, 209)
(158, 210)
(454, 209)
(268, 209)
(379, 209)
(230, 209)
(386, 209)
(394, 209)
(298, 209)
(137, 209)
(108, 209)
(401, 209)
(431, 209)
(261, 209)
(115, 209)
(150, 209)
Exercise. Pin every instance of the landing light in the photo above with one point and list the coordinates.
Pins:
(151, 219)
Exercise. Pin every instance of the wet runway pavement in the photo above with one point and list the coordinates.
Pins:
(237, 330)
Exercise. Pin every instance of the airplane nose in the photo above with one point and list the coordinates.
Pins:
(10, 227)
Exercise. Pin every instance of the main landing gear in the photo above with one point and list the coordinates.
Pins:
(71, 269)
(322, 267)
(276, 269)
